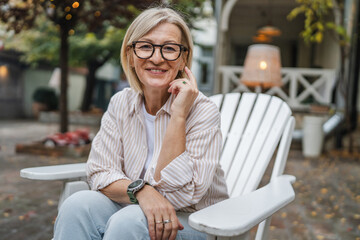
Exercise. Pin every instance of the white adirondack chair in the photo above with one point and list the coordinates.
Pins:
(253, 126)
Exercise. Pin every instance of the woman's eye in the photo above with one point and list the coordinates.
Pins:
(145, 47)
(169, 49)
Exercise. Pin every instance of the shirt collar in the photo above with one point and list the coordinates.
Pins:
(136, 102)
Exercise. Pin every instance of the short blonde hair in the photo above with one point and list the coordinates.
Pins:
(143, 24)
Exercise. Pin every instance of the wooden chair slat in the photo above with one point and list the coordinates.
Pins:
(237, 129)
(269, 146)
(257, 146)
(217, 99)
(247, 139)
(227, 112)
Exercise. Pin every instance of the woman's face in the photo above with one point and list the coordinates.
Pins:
(156, 72)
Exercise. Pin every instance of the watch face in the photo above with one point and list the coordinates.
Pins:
(135, 183)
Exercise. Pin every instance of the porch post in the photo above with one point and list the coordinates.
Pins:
(223, 16)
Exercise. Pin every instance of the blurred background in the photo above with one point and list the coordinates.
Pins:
(59, 67)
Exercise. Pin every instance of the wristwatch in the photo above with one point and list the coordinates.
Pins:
(134, 187)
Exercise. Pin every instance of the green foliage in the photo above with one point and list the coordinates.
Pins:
(320, 17)
(42, 43)
(191, 9)
(90, 46)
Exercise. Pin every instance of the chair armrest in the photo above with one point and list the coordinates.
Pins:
(236, 216)
(56, 172)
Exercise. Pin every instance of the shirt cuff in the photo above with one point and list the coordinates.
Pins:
(175, 175)
(101, 180)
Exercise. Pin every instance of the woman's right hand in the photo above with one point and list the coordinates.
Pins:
(157, 209)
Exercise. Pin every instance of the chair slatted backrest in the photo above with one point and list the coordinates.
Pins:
(227, 113)
(252, 125)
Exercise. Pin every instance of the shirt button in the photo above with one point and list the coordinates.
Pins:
(144, 147)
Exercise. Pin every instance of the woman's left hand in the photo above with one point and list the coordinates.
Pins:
(162, 220)
(186, 91)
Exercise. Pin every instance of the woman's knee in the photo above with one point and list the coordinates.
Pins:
(82, 201)
(128, 222)
(128, 217)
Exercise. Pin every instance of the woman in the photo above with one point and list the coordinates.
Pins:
(155, 158)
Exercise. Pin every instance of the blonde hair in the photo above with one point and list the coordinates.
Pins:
(143, 24)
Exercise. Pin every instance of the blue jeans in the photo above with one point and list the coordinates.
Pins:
(92, 215)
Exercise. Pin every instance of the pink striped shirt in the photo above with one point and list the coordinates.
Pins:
(192, 181)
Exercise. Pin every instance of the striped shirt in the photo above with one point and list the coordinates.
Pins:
(191, 181)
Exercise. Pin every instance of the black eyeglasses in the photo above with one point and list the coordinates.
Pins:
(169, 51)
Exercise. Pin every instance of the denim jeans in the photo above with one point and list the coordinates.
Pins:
(92, 215)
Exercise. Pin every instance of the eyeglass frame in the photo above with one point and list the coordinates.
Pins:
(182, 49)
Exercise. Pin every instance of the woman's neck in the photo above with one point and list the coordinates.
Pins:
(154, 100)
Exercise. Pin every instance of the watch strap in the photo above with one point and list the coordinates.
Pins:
(132, 191)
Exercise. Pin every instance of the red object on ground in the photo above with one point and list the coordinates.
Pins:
(74, 138)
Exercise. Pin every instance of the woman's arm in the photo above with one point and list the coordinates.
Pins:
(175, 140)
(104, 165)
(188, 161)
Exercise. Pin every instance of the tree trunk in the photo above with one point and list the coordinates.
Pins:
(64, 49)
(90, 85)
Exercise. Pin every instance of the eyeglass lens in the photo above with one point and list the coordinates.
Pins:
(168, 51)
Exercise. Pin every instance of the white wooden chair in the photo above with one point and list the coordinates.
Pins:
(253, 127)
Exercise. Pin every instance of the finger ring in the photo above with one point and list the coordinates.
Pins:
(184, 82)
(158, 222)
(167, 221)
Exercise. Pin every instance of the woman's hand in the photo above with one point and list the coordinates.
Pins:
(186, 91)
(158, 209)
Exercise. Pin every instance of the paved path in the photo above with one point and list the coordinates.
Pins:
(327, 204)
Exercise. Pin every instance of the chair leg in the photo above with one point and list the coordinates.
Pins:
(263, 230)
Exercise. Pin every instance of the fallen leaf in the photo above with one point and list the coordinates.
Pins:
(50, 202)
(7, 212)
(30, 214)
(9, 197)
(324, 191)
(329, 215)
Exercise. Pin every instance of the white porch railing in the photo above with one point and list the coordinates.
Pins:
(299, 85)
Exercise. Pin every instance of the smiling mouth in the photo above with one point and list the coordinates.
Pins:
(156, 70)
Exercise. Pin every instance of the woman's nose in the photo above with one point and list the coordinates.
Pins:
(157, 57)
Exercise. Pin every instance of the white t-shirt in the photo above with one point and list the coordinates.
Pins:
(150, 126)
